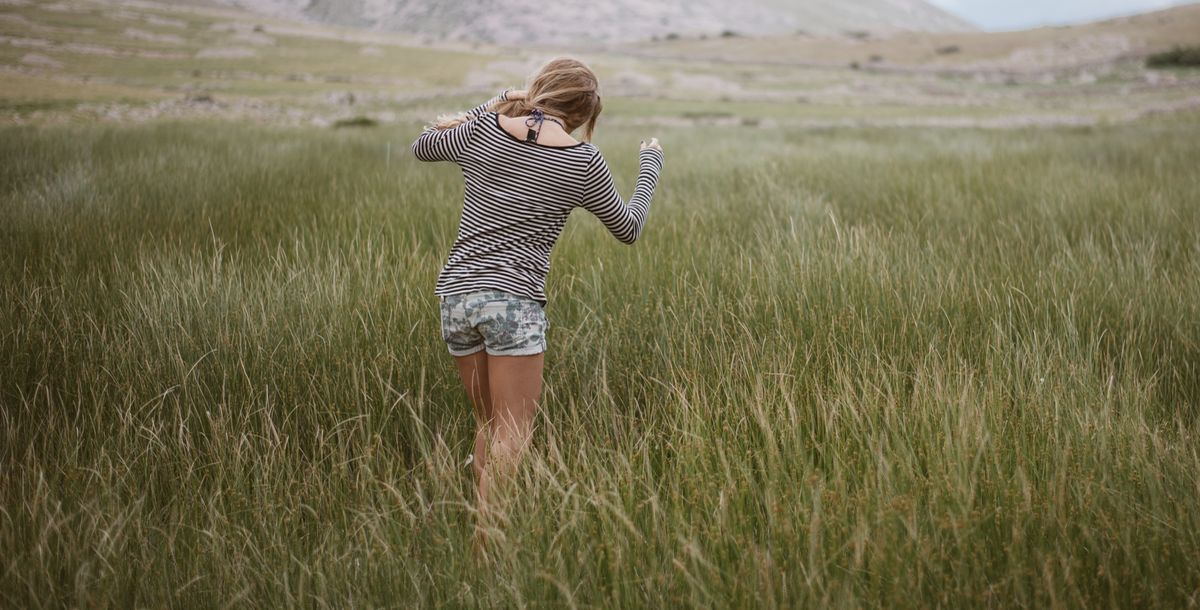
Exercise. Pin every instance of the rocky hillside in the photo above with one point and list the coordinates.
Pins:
(585, 21)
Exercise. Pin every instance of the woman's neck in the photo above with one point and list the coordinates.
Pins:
(552, 134)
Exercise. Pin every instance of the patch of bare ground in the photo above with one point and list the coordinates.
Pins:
(500, 73)
(38, 60)
(992, 123)
(25, 43)
(708, 84)
(196, 106)
(29, 26)
(84, 48)
(147, 36)
(245, 32)
(254, 38)
(154, 20)
(163, 22)
(59, 7)
(226, 53)
(14, 19)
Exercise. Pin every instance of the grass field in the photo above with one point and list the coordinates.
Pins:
(877, 367)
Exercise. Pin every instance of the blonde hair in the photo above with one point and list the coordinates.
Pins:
(564, 88)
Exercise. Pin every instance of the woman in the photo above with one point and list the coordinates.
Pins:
(524, 174)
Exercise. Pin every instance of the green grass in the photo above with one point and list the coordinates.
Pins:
(885, 368)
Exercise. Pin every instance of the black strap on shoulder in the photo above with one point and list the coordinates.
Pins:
(537, 117)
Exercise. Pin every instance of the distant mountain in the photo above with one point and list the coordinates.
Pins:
(590, 21)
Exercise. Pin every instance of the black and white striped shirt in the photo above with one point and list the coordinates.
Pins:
(518, 198)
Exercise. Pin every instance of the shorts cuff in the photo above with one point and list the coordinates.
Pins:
(532, 350)
(459, 353)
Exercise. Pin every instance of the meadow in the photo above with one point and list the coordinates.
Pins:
(862, 367)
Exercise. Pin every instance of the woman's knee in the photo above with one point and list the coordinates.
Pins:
(509, 443)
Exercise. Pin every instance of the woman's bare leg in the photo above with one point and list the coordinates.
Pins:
(515, 384)
(473, 370)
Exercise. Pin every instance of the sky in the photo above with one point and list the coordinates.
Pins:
(1020, 14)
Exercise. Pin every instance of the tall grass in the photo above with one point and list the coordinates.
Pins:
(887, 368)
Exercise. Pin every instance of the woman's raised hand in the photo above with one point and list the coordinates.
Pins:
(653, 144)
(516, 94)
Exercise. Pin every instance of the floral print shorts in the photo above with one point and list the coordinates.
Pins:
(504, 324)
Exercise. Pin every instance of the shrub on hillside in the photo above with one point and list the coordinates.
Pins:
(358, 121)
(1179, 57)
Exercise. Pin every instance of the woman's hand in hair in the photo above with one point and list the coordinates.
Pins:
(653, 144)
(515, 94)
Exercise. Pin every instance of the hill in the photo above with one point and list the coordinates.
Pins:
(1048, 49)
(115, 60)
(581, 21)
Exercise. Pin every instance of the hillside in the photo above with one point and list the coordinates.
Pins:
(583, 21)
(1092, 45)
(113, 60)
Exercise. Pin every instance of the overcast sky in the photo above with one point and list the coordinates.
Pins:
(1018, 14)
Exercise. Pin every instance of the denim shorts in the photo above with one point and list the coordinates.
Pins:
(504, 324)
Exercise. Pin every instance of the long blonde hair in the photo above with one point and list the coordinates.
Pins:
(563, 88)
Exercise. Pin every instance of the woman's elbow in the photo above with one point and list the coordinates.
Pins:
(427, 148)
(629, 237)
(419, 151)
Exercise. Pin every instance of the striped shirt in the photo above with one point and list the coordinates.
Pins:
(518, 198)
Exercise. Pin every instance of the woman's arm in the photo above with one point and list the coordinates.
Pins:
(600, 196)
(447, 144)
(507, 94)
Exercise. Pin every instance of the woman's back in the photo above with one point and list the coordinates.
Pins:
(518, 197)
